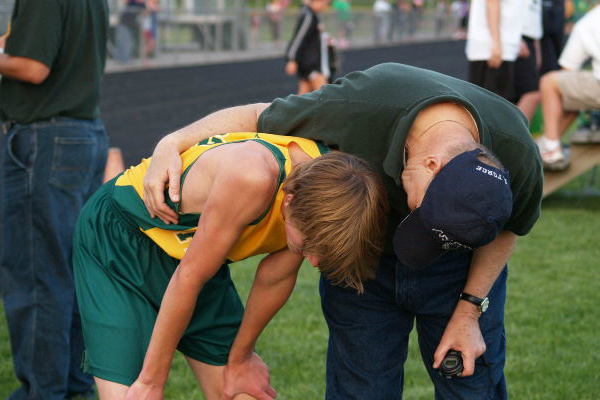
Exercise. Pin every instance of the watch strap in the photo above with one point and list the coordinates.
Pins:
(482, 304)
(471, 299)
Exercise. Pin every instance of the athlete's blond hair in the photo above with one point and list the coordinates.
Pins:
(340, 206)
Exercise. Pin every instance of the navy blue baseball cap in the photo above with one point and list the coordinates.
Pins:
(465, 207)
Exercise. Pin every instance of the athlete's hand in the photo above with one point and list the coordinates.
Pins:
(144, 391)
(164, 168)
(462, 334)
(249, 376)
(291, 67)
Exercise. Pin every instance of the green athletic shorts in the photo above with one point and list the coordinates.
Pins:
(120, 278)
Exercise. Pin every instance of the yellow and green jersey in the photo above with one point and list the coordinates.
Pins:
(265, 235)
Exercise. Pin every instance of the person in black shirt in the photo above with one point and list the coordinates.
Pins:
(553, 20)
(307, 51)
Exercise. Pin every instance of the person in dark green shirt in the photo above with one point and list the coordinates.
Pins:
(431, 137)
(55, 149)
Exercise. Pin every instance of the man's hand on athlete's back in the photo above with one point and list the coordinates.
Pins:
(165, 169)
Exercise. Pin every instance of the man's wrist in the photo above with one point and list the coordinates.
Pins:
(169, 143)
(467, 309)
(481, 303)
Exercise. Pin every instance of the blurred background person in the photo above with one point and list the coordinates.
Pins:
(274, 15)
(565, 92)
(381, 15)
(398, 18)
(527, 65)
(493, 40)
(343, 11)
(414, 16)
(307, 55)
(460, 12)
(553, 37)
(128, 30)
(441, 14)
(588, 120)
(150, 28)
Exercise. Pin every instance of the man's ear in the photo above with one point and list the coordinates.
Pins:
(297, 155)
(433, 164)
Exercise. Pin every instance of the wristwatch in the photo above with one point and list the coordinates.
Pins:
(482, 304)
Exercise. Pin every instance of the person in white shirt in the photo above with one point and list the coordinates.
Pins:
(564, 93)
(493, 40)
(381, 11)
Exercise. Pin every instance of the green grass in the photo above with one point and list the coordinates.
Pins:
(552, 318)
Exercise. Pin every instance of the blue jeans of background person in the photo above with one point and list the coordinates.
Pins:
(49, 170)
(368, 342)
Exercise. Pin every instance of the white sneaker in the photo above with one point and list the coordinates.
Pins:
(553, 159)
(586, 136)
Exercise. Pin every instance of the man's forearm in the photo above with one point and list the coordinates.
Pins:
(23, 69)
(487, 263)
(234, 119)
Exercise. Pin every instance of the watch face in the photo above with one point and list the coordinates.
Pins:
(484, 305)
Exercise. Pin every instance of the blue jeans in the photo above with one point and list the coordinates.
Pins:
(368, 341)
(49, 170)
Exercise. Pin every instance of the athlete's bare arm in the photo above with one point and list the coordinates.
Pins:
(165, 167)
(272, 286)
(235, 199)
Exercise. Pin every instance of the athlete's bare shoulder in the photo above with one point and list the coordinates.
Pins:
(251, 166)
(244, 172)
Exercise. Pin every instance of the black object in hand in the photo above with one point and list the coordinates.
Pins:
(451, 365)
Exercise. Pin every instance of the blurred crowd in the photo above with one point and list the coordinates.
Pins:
(141, 30)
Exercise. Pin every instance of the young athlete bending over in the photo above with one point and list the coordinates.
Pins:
(146, 287)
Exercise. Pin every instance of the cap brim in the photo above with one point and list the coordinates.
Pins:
(414, 244)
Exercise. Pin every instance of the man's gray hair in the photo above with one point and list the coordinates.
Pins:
(486, 156)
